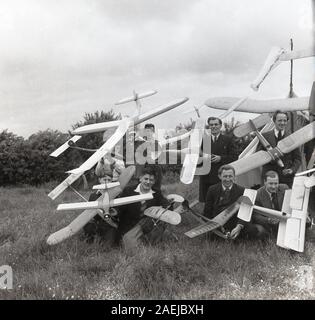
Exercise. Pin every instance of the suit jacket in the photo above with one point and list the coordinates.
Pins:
(291, 160)
(130, 214)
(213, 206)
(263, 200)
(224, 148)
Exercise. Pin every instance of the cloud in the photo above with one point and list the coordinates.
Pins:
(63, 58)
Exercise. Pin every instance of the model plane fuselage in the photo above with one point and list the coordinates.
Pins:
(260, 106)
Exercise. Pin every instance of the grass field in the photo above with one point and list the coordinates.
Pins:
(176, 269)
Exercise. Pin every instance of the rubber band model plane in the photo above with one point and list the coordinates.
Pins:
(103, 205)
(262, 157)
(122, 127)
(293, 215)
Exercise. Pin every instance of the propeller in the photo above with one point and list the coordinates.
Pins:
(285, 145)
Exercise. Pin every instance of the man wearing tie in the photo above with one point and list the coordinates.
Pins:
(221, 153)
(222, 195)
(270, 196)
(291, 160)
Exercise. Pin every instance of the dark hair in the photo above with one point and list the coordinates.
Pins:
(149, 126)
(274, 117)
(270, 174)
(149, 170)
(214, 118)
(226, 167)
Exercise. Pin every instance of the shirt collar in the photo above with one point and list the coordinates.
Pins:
(276, 131)
(270, 194)
(138, 190)
(213, 136)
(224, 188)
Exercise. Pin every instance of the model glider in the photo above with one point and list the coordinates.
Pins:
(87, 165)
(213, 224)
(292, 217)
(260, 106)
(101, 206)
(285, 145)
(275, 57)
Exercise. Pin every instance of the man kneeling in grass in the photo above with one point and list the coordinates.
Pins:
(134, 226)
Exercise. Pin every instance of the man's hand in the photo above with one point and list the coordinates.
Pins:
(215, 158)
(273, 220)
(286, 172)
(236, 231)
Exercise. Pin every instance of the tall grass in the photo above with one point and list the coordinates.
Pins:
(178, 268)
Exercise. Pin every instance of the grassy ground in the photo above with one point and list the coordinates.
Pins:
(176, 269)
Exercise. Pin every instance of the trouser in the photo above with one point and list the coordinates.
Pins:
(146, 230)
(259, 231)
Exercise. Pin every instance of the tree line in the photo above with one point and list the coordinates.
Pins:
(27, 161)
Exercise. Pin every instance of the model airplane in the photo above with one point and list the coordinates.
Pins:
(101, 206)
(260, 106)
(251, 126)
(212, 225)
(235, 106)
(275, 57)
(292, 217)
(136, 98)
(285, 145)
(122, 127)
(191, 154)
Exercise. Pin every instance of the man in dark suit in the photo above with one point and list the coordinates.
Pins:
(148, 143)
(133, 225)
(222, 195)
(291, 160)
(270, 196)
(222, 152)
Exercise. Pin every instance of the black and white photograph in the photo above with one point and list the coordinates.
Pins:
(157, 150)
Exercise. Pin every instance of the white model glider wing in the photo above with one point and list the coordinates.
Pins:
(106, 147)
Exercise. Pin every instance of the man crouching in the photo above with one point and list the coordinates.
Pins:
(134, 226)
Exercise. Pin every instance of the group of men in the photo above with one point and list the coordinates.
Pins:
(217, 190)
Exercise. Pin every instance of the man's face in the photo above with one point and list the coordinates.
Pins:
(227, 178)
(106, 179)
(147, 181)
(272, 184)
(281, 121)
(215, 126)
(148, 132)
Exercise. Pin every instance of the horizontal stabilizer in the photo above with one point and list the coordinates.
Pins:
(136, 97)
(295, 234)
(189, 168)
(298, 191)
(246, 208)
(65, 146)
(310, 181)
(131, 199)
(106, 186)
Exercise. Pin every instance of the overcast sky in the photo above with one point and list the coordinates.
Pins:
(62, 58)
